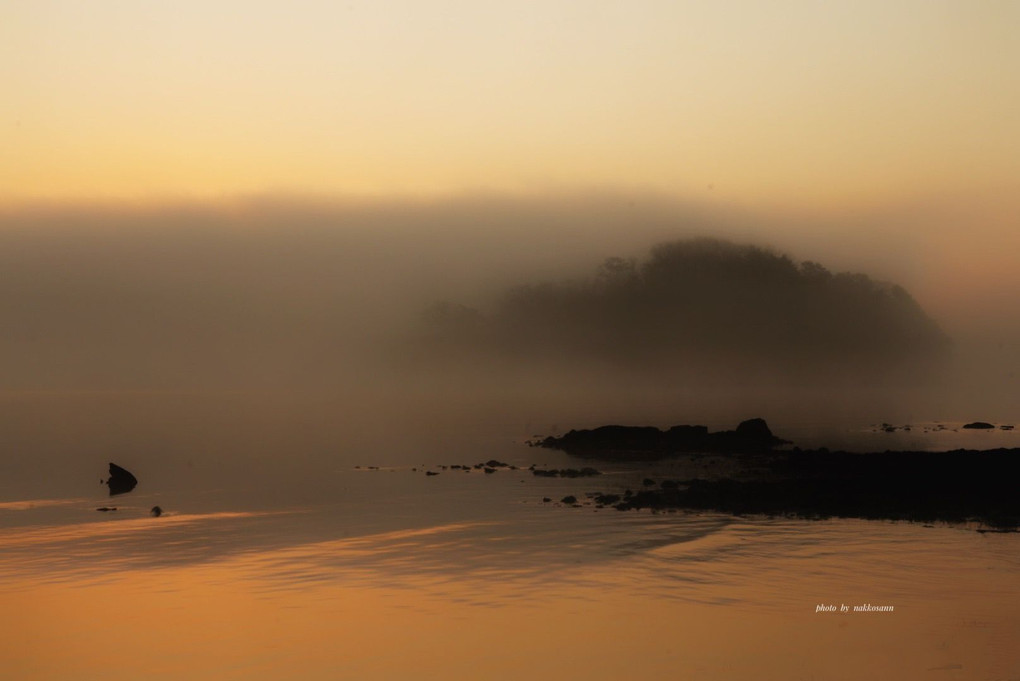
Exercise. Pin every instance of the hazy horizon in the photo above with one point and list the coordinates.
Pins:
(316, 295)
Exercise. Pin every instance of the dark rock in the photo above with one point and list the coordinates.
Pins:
(566, 473)
(647, 443)
(685, 438)
(546, 500)
(156, 511)
(569, 499)
(614, 438)
(1006, 427)
(488, 470)
(979, 425)
(431, 473)
(956, 486)
(648, 482)
(579, 473)
(752, 435)
(107, 508)
(493, 463)
(120, 481)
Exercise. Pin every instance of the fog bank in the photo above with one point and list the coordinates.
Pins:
(320, 297)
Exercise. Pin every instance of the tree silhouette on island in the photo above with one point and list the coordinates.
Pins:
(702, 302)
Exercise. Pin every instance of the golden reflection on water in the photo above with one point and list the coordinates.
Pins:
(98, 531)
(31, 504)
(202, 622)
(479, 600)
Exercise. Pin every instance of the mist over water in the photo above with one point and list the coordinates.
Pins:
(295, 325)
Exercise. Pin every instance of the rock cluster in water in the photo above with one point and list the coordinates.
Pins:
(748, 475)
(647, 442)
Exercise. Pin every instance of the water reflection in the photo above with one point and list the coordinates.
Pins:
(545, 593)
(32, 504)
(394, 575)
(82, 550)
(695, 558)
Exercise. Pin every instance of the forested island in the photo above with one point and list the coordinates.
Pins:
(700, 306)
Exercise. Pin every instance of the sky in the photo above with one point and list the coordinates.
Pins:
(791, 103)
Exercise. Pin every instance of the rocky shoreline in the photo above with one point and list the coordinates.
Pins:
(749, 475)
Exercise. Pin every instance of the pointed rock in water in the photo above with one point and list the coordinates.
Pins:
(121, 481)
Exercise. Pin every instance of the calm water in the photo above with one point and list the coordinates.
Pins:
(279, 558)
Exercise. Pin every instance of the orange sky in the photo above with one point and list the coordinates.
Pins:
(782, 103)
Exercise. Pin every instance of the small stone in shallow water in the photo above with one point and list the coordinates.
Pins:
(156, 511)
